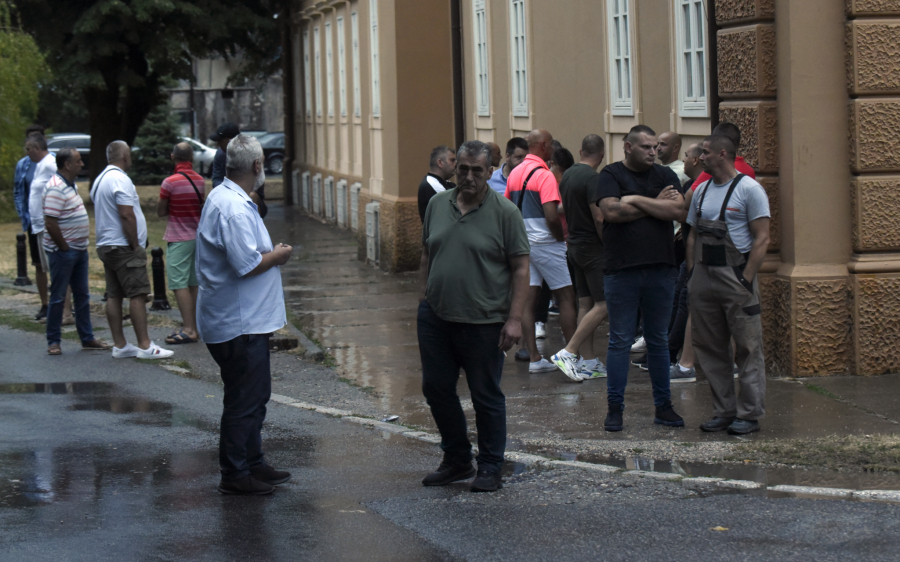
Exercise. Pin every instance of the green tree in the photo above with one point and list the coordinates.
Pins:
(120, 53)
(22, 68)
(155, 141)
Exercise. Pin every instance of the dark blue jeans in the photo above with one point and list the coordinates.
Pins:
(446, 347)
(69, 268)
(244, 362)
(680, 312)
(649, 290)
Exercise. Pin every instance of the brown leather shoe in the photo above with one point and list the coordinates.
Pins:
(246, 486)
(95, 345)
(54, 349)
(267, 474)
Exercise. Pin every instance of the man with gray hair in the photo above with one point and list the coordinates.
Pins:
(240, 303)
(441, 167)
(471, 301)
(121, 241)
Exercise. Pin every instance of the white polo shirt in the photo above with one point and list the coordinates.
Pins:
(112, 188)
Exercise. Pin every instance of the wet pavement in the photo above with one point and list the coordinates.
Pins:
(366, 319)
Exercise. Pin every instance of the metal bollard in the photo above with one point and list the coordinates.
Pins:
(21, 262)
(160, 302)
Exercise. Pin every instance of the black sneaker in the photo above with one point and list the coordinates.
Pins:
(716, 424)
(665, 415)
(743, 427)
(449, 472)
(42, 313)
(487, 482)
(614, 418)
(267, 474)
(523, 355)
(246, 486)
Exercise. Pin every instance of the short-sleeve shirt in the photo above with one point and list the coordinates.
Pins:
(43, 172)
(739, 164)
(577, 191)
(184, 203)
(112, 188)
(497, 182)
(61, 201)
(469, 272)
(231, 241)
(748, 203)
(647, 241)
(542, 188)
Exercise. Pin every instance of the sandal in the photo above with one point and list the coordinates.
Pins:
(179, 338)
(54, 349)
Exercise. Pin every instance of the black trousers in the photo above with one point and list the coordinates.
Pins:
(244, 362)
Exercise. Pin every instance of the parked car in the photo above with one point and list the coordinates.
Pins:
(79, 141)
(273, 149)
(256, 134)
(203, 156)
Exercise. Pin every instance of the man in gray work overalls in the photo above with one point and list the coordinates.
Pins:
(725, 249)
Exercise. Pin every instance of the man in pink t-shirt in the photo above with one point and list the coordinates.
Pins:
(181, 200)
(539, 204)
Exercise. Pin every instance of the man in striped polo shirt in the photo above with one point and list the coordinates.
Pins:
(181, 200)
(65, 243)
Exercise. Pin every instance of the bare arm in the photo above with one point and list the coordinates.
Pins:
(689, 250)
(551, 215)
(162, 208)
(279, 255)
(423, 274)
(759, 228)
(512, 330)
(667, 206)
(598, 219)
(51, 225)
(129, 225)
(616, 210)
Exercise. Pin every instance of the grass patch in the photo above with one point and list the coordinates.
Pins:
(819, 390)
(870, 453)
(24, 323)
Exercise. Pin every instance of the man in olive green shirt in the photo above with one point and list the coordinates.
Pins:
(474, 279)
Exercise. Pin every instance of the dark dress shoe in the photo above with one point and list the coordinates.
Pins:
(267, 474)
(448, 473)
(716, 424)
(487, 482)
(246, 486)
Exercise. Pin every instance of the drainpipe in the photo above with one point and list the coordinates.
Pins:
(712, 46)
(459, 117)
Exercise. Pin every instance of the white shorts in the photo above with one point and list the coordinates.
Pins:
(548, 263)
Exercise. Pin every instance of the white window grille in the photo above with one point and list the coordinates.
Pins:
(307, 73)
(693, 80)
(519, 66)
(342, 203)
(354, 38)
(376, 74)
(354, 206)
(342, 66)
(329, 68)
(329, 198)
(317, 48)
(620, 68)
(482, 91)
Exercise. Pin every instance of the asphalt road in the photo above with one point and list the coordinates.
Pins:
(116, 460)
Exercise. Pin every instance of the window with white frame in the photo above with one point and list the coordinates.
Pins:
(342, 66)
(307, 86)
(354, 38)
(317, 51)
(482, 91)
(519, 66)
(376, 74)
(693, 81)
(620, 67)
(329, 68)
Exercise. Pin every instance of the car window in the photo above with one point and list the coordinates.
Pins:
(55, 144)
(82, 143)
(275, 141)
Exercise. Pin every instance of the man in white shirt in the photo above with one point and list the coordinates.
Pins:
(668, 147)
(121, 241)
(45, 167)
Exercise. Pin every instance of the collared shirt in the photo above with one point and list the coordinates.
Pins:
(43, 171)
(542, 188)
(112, 188)
(61, 201)
(498, 180)
(231, 240)
(22, 188)
(184, 202)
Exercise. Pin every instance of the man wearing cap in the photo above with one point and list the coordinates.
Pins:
(222, 137)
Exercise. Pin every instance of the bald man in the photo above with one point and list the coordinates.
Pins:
(533, 188)
(181, 199)
(668, 147)
(495, 154)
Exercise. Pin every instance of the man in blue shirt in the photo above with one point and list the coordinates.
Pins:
(21, 191)
(240, 303)
(516, 151)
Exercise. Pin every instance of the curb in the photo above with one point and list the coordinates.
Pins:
(690, 483)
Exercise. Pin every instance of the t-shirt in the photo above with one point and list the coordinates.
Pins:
(577, 191)
(184, 204)
(542, 188)
(430, 185)
(112, 188)
(42, 174)
(61, 201)
(644, 242)
(469, 275)
(677, 166)
(748, 203)
(497, 180)
(739, 164)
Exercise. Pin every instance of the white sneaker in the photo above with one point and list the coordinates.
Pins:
(567, 363)
(639, 345)
(154, 352)
(125, 352)
(542, 366)
(540, 331)
(590, 372)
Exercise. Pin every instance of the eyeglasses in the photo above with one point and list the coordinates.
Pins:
(463, 171)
